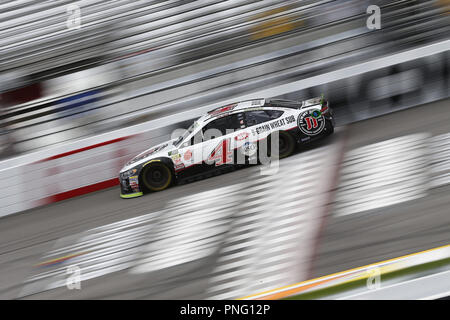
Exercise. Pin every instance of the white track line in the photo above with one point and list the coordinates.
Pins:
(403, 283)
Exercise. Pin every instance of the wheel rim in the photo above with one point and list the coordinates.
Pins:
(157, 177)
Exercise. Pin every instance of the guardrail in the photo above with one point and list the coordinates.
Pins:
(92, 164)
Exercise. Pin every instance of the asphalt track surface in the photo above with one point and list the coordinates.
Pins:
(392, 231)
(430, 287)
(342, 241)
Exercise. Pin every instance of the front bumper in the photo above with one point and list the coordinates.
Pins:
(131, 195)
(129, 187)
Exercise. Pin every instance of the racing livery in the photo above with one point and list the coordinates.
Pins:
(229, 136)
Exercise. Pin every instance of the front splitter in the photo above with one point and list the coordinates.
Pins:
(131, 195)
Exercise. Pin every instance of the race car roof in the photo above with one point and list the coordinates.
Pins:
(238, 106)
(256, 103)
(232, 107)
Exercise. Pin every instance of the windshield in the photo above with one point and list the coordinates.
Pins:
(186, 134)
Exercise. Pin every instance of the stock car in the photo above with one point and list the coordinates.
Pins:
(226, 137)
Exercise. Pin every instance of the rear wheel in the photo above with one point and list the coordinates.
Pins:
(330, 128)
(286, 144)
(157, 176)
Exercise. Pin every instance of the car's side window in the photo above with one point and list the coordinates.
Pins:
(220, 124)
(236, 121)
(232, 122)
(197, 137)
(260, 116)
(274, 114)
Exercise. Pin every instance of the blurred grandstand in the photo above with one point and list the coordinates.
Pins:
(86, 85)
(133, 61)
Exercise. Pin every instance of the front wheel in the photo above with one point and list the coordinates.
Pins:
(286, 144)
(157, 176)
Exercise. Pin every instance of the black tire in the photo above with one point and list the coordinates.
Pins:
(157, 176)
(286, 144)
(330, 128)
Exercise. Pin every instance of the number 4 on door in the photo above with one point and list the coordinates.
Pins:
(222, 154)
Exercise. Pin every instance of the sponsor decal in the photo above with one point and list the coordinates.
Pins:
(274, 124)
(241, 136)
(277, 124)
(134, 183)
(248, 148)
(176, 157)
(179, 166)
(316, 114)
(289, 119)
(271, 125)
(188, 155)
(222, 109)
(263, 128)
(311, 122)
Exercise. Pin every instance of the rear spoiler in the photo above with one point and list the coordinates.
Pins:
(313, 101)
(317, 101)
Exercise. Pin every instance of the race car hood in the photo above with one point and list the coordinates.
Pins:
(154, 152)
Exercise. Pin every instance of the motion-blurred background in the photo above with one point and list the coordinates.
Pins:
(70, 72)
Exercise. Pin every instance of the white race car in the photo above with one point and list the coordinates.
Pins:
(234, 135)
